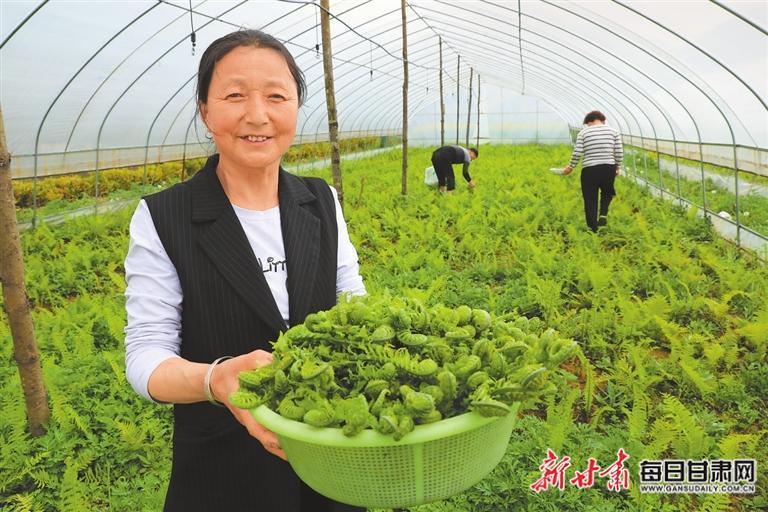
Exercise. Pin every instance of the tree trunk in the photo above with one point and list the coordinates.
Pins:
(405, 99)
(16, 304)
(469, 107)
(330, 98)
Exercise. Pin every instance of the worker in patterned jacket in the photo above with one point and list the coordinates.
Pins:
(600, 145)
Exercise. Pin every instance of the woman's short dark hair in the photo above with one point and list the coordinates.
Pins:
(474, 150)
(223, 45)
(594, 116)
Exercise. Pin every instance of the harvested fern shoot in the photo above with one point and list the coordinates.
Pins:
(391, 363)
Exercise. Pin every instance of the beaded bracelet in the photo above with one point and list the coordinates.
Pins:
(207, 381)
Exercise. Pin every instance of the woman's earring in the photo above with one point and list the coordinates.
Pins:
(208, 135)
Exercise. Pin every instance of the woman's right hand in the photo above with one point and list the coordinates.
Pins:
(224, 382)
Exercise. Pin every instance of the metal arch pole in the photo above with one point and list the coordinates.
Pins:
(211, 20)
(742, 18)
(342, 50)
(603, 67)
(363, 98)
(730, 128)
(565, 107)
(176, 118)
(714, 103)
(125, 91)
(567, 93)
(639, 91)
(458, 94)
(477, 143)
(184, 151)
(547, 69)
(712, 58)
(348, 109)
(693, 120)
(581, 55)
(485, 27)
(592, 99)
(442, 101)
(469, 105)
(114, 70)
(61, 92)
(341, 89)
(23, 22)
(152, 125)
(349, 47)
(309, 116)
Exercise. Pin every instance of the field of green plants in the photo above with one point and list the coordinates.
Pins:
(672, 325)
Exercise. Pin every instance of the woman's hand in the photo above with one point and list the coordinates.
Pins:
(567, 170)
(618, 168)
(224, 382)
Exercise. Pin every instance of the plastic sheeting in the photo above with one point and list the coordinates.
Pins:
(90, 82)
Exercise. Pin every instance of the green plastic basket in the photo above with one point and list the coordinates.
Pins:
(433, 462)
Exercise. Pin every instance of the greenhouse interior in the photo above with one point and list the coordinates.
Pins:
(575, 317)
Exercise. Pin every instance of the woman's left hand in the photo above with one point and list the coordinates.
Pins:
(224, 382)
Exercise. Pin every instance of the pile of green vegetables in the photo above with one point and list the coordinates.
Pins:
(392, 363)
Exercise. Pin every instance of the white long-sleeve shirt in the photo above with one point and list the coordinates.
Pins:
(154, 297)
(600, 144)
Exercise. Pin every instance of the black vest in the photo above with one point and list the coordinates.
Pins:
(228, 309)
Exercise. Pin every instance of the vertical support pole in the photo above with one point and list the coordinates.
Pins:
(477, 143)
(442, 101)
(16, 303)
(405, 99)
(458, 106)
(330, 98)
(738, 202)
(469, 107)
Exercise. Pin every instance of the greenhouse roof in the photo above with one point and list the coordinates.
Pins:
(84, 76)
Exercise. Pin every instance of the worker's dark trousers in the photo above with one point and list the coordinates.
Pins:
(597, 181)
(444, 170)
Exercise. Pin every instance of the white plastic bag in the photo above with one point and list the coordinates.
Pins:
(430, 177)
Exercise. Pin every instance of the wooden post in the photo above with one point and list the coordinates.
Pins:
(442, 102)
(16, 304)
(405, 99)
(477, 143)
(469, 107)
(458, 107)
(330, 99)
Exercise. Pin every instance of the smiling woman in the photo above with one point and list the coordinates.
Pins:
(251, 112)
(201, 307)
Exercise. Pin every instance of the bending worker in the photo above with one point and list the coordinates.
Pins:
(443, 160)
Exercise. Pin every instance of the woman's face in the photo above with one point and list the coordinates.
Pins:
(252, 107)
